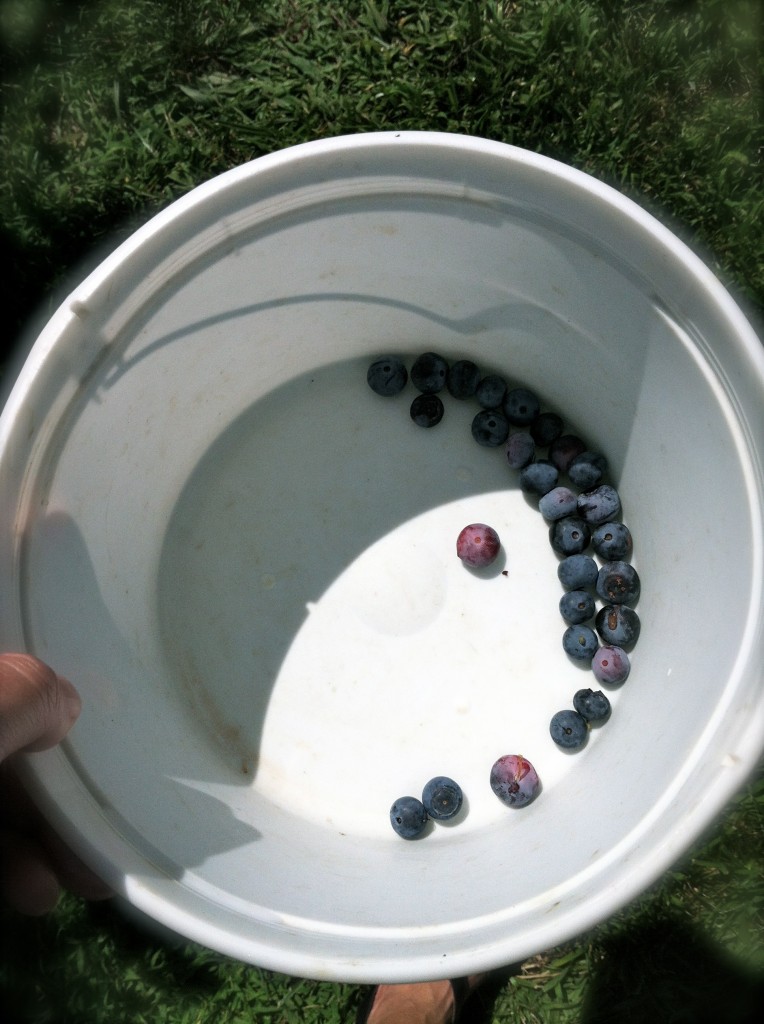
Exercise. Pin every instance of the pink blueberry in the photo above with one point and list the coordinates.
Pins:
(514, 780)
(477, 545)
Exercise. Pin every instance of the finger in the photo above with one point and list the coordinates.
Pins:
(21, 817)
(27, 881)
(37, 707)
(72, 873)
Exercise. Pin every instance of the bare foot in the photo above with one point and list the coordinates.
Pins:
(431, 1002)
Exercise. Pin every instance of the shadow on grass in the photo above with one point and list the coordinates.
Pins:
(669, 972)
(85, 960)
(479, 1008)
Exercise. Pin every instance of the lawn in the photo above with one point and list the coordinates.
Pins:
(112, 110)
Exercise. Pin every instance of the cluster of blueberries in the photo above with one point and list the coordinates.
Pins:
(442, 800)
(587, 517)
(513, 779)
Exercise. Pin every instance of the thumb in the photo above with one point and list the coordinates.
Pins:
(37, 707)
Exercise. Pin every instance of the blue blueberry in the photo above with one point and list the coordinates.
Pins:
(577, 606)
(580, 643)
(426, 410)
(599, 505)
(442, 798)
(618, 583)
(619, 625)
(538, 477)
(568, 729)
(490, 391)
(429, 372)
(408, 817)
(612, 541)
(569, 535)
(611, 665)
(576, 572)
(387, 376)
(462, 379)
(558, 502)
(521, 407)
(490, 428)
(519, 449)
(587, 470)
(564, 449)
(545, 428)
(592, 705)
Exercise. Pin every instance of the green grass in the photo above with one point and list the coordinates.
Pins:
(111, 110)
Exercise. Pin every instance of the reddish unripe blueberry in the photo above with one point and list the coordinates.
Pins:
(520, 449)
(514, 780)
(477, 545)
(564, 449)
(611, 664)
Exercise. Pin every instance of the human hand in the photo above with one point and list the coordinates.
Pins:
(37, 709)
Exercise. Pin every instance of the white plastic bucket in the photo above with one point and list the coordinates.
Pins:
(245, 559)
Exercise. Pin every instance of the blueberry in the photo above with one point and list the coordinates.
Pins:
(568, 729)
(426, 410)
(618, 583)
(408, 817)
(387, 376)
(576, 606)
(514, 780)
(599, 505)
(490, 391)
(538, 477)
(462, 378)
(558, 502)
(428, 373)
(521, 407)
(577, 572)
(619, 625)
(612, 541)
(520, 449)
(580, 643)
(587, 469)
(592, 705)
(564, 449)
(611, 665)
(545, 428)
(569, 535)
(490, 428)
(477, 545)
(442, 798)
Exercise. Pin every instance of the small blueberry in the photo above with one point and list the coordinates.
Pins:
(408, 817)
(442, 798)
(569, 730)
